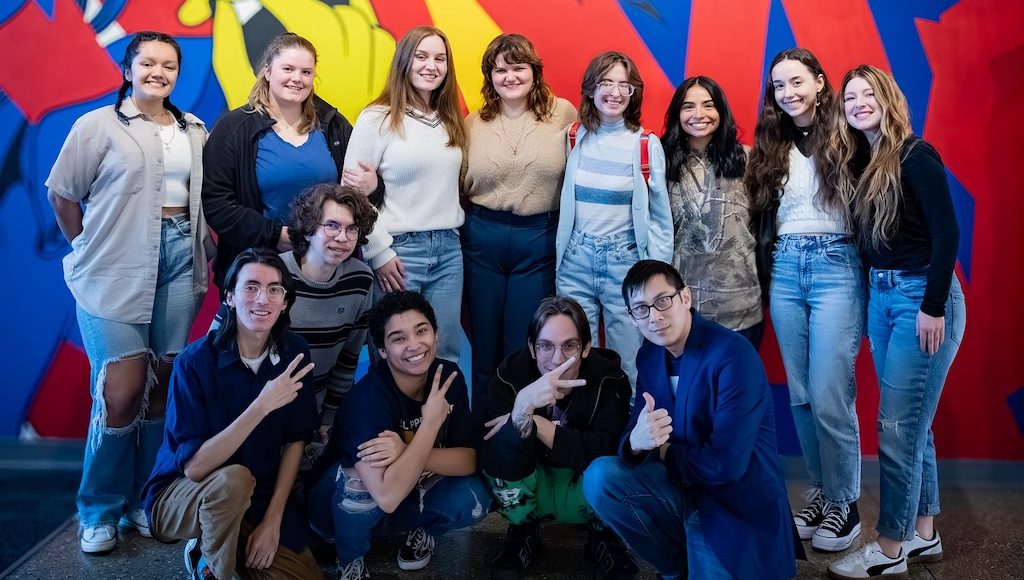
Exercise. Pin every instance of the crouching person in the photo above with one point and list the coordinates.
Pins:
(555, 405)
(240, 410)
(401, 455)
(699, 453)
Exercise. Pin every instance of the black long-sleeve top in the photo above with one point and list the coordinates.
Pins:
(927, 234)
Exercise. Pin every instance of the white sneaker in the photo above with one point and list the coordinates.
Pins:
(869, 562)
(920, 550)
(99, 539)
(137, 519)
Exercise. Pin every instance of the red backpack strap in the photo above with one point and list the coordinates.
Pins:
(645, 156)
(572, 134)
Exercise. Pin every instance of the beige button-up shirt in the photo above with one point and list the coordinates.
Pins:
(116, 171)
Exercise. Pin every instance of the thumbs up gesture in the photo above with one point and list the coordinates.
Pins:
(653, 426)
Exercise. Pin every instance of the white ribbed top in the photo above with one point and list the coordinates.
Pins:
(799, 211)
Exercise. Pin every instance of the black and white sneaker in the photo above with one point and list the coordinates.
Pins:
(417, 551)
(521, 548)
(839, 529)
(354, 570)
(609, 555)
(869, 563)
(920, 550)
(808, 519)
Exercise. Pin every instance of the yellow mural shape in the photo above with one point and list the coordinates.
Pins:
(469, 30)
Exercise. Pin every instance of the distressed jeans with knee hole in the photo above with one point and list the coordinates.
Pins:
(910, 383)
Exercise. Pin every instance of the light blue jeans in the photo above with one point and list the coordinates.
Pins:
(118, 460)
(340, 509)
(910, 382)
(818, 310)
(433, 267)
(591, 272)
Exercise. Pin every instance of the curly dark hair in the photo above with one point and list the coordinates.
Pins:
(515, 49)
(396, 303)
(724, 151)
(599, 67)
(308, 213)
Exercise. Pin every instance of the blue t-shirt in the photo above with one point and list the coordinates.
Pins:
(283, 170)
(376, 404)
(209, 389)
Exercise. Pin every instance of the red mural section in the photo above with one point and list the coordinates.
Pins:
(973, 114)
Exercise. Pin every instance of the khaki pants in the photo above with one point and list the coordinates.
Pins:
(212, 510)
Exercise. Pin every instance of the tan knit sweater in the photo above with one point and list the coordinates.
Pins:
(517, 164)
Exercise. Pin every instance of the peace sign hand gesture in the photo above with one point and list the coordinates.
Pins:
(282, 390)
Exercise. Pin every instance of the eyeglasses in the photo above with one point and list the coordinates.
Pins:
(275, 292)
(608, 87)
(547, 349)
(332, 229)
(661, 304)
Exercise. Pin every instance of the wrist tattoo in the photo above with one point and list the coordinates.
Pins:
(524, 424)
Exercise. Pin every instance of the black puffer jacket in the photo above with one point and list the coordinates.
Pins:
(596, 416)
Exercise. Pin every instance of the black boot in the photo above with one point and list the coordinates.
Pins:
(521, 548)
(608, 554)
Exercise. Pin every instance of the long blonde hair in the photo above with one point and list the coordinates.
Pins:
(398, 94)
(259, 96)
(875, 195)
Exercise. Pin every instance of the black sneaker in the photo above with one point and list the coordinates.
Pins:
(839, 529)
(609, 555)
(417, 551)
(354, 570)
(521, 548)
(808, 519)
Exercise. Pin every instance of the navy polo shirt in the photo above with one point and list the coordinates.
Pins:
(209, 389)
(376, 404)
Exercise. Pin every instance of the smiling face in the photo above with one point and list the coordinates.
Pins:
(559, 331)
(257, 314)
(429, 67)
(670, 327)
(698, 116)
(861, 108)
(611, 107)
(796, 90)
(290, 75)
(410, 345)
(324, 249)
(154, 71)
(512, 82)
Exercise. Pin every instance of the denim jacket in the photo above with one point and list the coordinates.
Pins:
(652, 215)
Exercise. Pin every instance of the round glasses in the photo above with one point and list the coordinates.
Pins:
(275, 292)
(332, 229)
(547, 349)
(609, 87)
(661, 304)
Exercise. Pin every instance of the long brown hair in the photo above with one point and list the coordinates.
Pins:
(259, 96)
(768, 167)
(596, 70)
(876, 194)
(516, 49)
(398, 94)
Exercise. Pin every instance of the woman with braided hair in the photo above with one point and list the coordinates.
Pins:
(125, 190)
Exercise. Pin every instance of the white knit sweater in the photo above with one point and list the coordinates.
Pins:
(799, 211)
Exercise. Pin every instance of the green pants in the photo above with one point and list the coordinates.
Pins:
(548, 494)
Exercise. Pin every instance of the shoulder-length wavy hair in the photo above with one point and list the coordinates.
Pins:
(768, 168)
(308, 213)
(724, 150)
(259, 96)
(399, 94)
(515, 49)
(227, 333)
(875, 195)
(596, 70)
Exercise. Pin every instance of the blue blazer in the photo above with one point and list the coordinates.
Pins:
(722, 449)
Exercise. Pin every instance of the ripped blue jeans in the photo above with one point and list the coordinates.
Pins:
(340, 509)
(118, 460)
(909, 382)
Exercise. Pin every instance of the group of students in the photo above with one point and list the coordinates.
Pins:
(331, 236)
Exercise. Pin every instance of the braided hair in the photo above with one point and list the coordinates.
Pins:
(126, 66)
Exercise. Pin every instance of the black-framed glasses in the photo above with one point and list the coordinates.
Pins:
(332, 229)
(608, 87)
(547, 349)
(275, 292)
(661, 304)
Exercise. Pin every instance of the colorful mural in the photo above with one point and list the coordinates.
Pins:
(958, 62)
